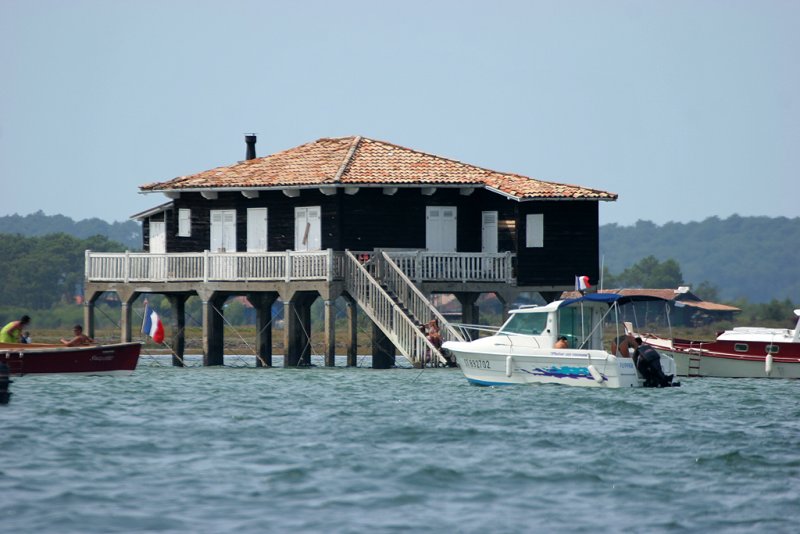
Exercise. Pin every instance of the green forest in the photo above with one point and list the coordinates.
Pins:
(752, 258)
(129, 233)
(749, 262)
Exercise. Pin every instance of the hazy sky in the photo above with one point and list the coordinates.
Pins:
(686, 109)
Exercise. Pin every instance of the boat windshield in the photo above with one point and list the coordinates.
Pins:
(576, 325)
(528, 324)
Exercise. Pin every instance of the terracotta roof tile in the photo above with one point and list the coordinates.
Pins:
(359, 160)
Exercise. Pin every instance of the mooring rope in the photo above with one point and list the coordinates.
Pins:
(239, 357)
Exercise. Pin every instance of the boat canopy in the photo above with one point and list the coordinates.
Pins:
(609, 298)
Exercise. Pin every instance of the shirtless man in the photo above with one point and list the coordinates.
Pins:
(79, 339)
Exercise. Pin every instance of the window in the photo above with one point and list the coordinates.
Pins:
(534, 230)
(529, 324)
(773, 349)
(740, 347)
(184, 222)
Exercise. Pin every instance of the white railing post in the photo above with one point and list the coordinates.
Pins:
(86, 266)
(509, 270)
(288, 267)
(126, 269)
(330, 265)
(206, 266)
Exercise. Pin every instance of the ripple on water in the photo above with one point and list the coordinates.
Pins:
(355, 450)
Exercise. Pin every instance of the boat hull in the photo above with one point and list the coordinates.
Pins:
(700, 361)
(115, 359)
(545, 366)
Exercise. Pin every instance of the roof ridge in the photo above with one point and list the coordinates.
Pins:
(347, 159)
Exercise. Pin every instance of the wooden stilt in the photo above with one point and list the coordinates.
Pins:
(383, 350)
(213, 331)
(330, 333)
(177, 303)
(262, 302)
(352, 329)
(470, 313)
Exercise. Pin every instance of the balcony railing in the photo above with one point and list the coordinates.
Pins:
(213, 267)
(287, 266)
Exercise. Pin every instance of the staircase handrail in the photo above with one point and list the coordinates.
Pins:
(410, 295)
(386, 314)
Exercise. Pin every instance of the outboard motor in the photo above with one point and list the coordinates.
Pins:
(648, 362)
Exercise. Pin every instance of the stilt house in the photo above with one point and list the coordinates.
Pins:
(379, 224)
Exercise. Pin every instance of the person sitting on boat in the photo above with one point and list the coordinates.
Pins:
(562, 343)
(12, 332)
(648, 361)
(623, 345)
(79, 339)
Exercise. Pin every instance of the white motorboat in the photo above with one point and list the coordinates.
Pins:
(523, 350)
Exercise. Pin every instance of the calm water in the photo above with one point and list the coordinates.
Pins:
(361, 450)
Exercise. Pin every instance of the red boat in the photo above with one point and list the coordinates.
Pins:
(30, 358)
(744, 352)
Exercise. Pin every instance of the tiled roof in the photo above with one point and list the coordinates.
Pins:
(360, 161)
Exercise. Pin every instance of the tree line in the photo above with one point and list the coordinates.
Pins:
(129, 233)
(751, 258)
(38, 273)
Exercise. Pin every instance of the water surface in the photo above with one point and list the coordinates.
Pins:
(360, 450)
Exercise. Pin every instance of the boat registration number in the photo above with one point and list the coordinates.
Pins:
(476, 364)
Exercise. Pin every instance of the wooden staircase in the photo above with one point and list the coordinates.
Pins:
(396, 306)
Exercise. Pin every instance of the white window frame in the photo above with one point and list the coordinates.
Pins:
(184, 222)
(534, 230)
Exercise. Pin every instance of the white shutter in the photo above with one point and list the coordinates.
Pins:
(184, 222)
(256, 229)
(534, 230)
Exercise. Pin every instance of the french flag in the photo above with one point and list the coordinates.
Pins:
(582, 283)
(152, 325)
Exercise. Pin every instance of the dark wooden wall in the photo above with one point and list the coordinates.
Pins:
(571, 243)
(280, 223)
(369, 219)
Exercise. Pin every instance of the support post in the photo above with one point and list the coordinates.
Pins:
(178, 305)
(291, 340)
(213, 332)
(263, 302)
(330, 333)
(89, 304)
(126, 316)
(304, 333)
(352, 333)
(470, 313)
(383, 350)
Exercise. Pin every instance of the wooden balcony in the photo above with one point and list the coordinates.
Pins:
(289, 266)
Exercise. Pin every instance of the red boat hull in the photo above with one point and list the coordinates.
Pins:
(23, 359)
(729, 359)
